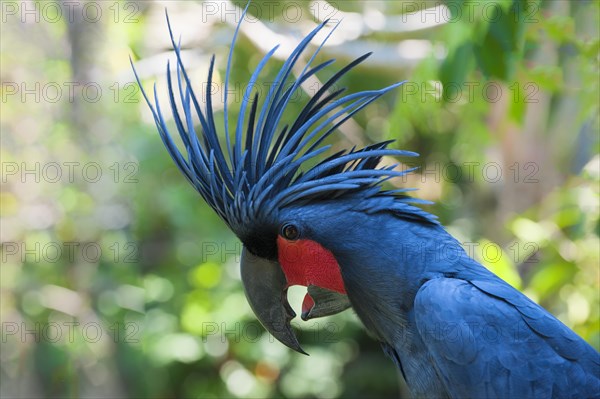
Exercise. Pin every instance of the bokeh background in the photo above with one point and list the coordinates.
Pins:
(117, 281)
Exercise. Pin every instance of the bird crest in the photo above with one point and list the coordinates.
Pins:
(260, 165)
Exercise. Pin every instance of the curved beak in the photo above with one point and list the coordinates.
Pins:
(265, 286)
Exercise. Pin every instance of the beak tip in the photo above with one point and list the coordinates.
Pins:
(300, 350)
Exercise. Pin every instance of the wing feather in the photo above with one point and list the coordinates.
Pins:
(489, 340)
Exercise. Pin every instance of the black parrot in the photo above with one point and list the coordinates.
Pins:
(452, 327)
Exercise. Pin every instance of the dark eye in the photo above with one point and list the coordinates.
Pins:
(290, 231)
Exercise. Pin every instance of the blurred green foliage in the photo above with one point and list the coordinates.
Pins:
(127, 284)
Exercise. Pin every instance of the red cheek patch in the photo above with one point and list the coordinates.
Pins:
(306, 262)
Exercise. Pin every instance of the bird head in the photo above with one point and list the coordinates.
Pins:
(256, 177)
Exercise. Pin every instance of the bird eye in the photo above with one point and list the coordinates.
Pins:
(290, 231)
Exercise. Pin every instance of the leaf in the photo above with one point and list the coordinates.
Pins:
(501, 49)
(549, 279)
(454, 70)
(493, 257)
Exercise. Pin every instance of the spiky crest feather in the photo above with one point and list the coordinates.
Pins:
(261, 172)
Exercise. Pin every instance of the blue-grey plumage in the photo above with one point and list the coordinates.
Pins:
(452, 327)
